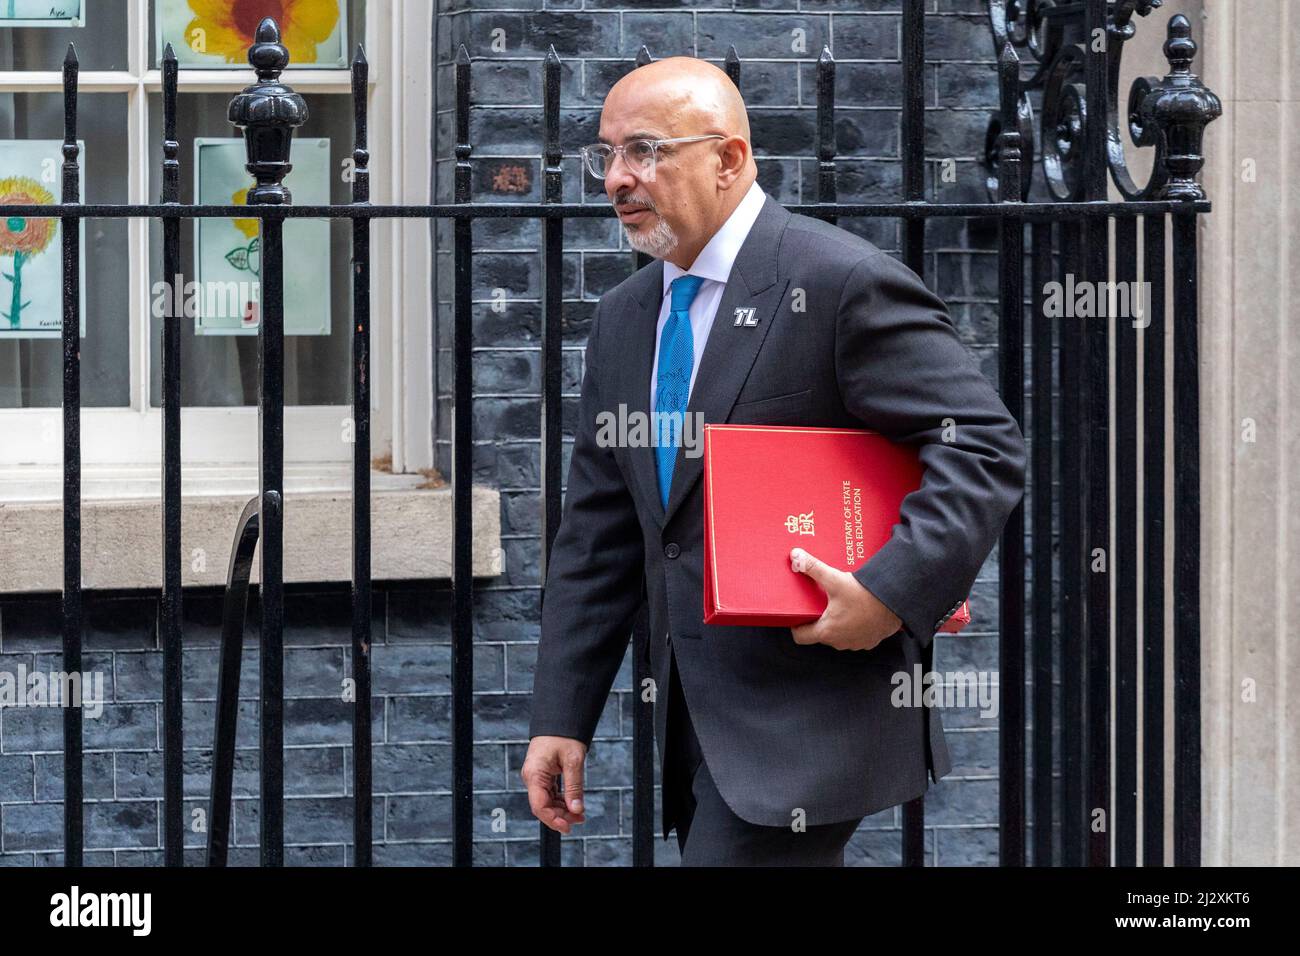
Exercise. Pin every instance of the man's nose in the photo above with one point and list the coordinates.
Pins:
(618, 176)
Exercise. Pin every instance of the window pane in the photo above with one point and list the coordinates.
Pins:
(217, 34)
(31, 369)
(101, 43)
(221, 369)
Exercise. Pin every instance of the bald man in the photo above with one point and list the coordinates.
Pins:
(775, 742)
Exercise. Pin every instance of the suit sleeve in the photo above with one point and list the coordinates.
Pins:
(593, 579)
(903, 371)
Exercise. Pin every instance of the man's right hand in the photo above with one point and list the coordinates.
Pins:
(547, 759)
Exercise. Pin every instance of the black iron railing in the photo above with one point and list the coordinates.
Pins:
(1069, 236)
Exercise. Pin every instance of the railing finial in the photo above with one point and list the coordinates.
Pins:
(1180, 48)
(1008, 145)
(268, 112)
(1180, 106)
(268, 56)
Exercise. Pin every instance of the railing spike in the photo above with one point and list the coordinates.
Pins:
(732, 65)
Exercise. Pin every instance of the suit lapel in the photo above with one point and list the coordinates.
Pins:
(728, 355)
(634, 390)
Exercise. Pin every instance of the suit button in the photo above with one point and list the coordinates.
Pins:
(671, 550)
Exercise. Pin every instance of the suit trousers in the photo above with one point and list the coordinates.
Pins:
(709, 833)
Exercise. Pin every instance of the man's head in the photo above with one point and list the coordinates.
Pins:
(672, 210)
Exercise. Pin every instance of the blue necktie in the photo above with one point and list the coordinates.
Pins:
(673, 387)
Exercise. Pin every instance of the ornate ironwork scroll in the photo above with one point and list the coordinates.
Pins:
(1168, 115)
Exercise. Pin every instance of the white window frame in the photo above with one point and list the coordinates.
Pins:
(121, 447)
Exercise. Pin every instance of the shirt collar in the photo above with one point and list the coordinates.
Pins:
(717, 257)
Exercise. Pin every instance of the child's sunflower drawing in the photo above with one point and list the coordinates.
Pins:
(22, 237)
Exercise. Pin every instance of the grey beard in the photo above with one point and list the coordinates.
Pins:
(658, 242)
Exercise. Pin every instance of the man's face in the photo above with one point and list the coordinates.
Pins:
(673, 203)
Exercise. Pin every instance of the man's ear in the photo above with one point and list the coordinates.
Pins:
(735, 155)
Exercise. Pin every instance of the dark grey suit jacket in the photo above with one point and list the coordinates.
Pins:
(783, 726)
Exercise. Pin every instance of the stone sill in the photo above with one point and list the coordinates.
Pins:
(411, 533)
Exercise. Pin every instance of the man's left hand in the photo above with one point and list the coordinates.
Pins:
(854, 619)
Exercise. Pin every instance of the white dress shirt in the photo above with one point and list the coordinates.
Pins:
(713, 265)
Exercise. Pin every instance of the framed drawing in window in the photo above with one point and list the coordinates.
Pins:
(41, 13)
(226, 297)
(31, 249)
(216, 34)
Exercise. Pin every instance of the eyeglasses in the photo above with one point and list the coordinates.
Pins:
(640, 154)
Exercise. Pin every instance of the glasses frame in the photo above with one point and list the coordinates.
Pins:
(589, 153)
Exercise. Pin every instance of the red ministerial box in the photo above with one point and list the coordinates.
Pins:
(835, 492)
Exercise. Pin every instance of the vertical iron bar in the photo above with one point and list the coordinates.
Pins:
(169, 608)
(1153, 568)
(643, 744)
(1124, 567)
(1097, 448)
(643, 57)
(362, 769)
(552, 356)
(1187, 542)
(1097, 555)
(462, 653)
(270, 426)
(913, 850)
(914, 130)
(267, 114)
(73, 784)
(914, 256)
(1041, 543)
(1073, 565)
(826, 146)
(1011, 551)
(643, 722)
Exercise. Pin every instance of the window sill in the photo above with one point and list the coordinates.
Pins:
(411, 527)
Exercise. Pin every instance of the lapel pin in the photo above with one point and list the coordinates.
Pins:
(747, 316)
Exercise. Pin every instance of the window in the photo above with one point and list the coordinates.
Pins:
(120, 127)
